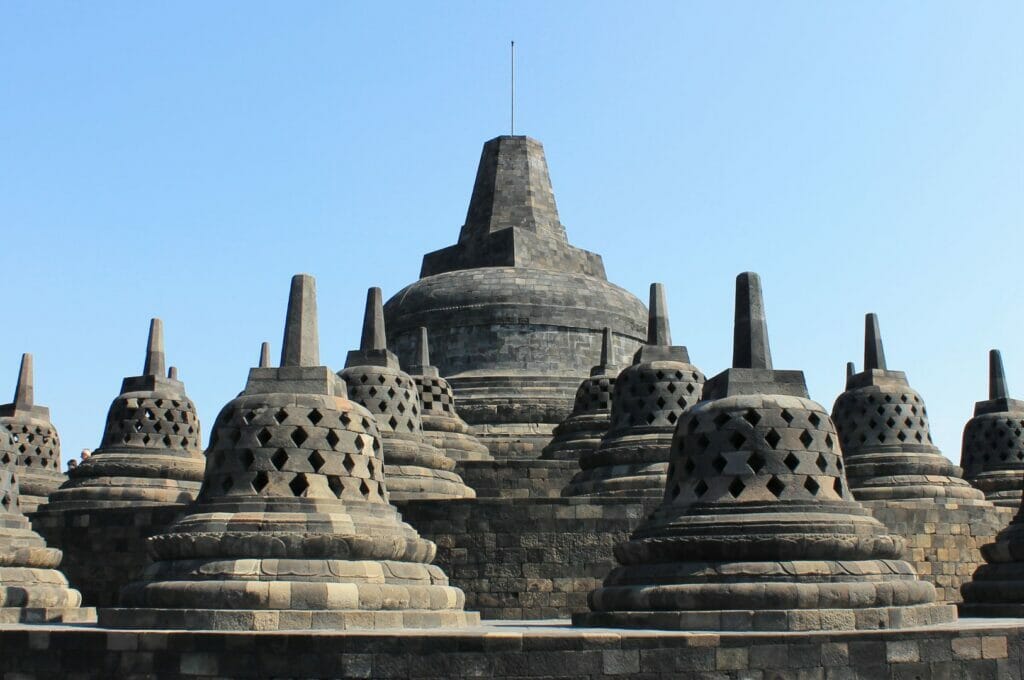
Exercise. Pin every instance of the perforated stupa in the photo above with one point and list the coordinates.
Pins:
(416, 469)
(758, 529)
(648, 398)
(35, 439)
(292, 528)
(992, 455)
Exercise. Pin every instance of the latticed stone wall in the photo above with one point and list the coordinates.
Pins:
(391, 396)
(38, 445)
(993, 440)
(154, 423)
(653, 396)
(879, 418)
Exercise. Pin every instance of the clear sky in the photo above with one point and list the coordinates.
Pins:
(183, 160)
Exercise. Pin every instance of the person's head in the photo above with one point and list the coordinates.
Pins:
(72, 464)
(86, 453)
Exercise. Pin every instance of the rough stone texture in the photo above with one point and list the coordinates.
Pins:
(997, 587)
(518, 478)
(35, 438)
(648, 399)
(582, 431)
(758, 529)
(984, 651)
(292, 527)
(514, 312)
(414, 466)
(32, 589)
(526, 558)
(992, 455)
(442, 425)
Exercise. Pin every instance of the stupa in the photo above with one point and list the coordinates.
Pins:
(514, 312)
(582, 431)
(901, 476)
(32, 589)
(292, 528)
(415, 468)
(649, 397)
(151, 453)
(35, 439)
(992, 455)
(442, 425)
(758, 529)
(997, 587)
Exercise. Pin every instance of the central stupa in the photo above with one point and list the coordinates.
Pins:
(514, 312)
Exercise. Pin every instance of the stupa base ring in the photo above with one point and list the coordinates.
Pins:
(47, 615)
(283, 619)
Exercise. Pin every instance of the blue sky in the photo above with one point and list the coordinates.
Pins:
(183, 160)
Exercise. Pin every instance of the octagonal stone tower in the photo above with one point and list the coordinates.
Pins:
(35, 439)
(292, 528)
(582, 431)
(758, 530)
(442, 425)
(32, 590)
(151, 453)
(649, 397)
(515, 313)
(416, 469)
(992, 455)
(883, 428)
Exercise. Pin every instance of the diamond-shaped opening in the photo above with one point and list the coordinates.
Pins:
(137, 425)
(391, 392)
(333, 439)
(776, 486)
(719, 463)
(167, 440)
(880, 410)
(349, 463)
(149, 415)
(299, 436)
(248, 458)
(890, 422)
(281, 416)
(364, 488)
(690, 389)
(737, 440)
(737, 487)
(689, 466)
(822, 462)
(703, 442)
(700, 489)
(814, 419)
(888, 398)
(811, 485)
(335, 485)
(838, 486)
(393, 422)
(829, 441)
(6, 459)
(721, 419)
(806, 439)
(146, 439)
(227, 484)
(298, 485)
(757, 461)
(260, 481)
(248, 417)
(661, 402)
(898, 409)
(791, 461)
(901, 435)
(315, 416)
(787, 416)
(372, 391)
(675, 491)
(263, 436)
(671, 387)
(672, 417)
(381, 379)
(6, 502)
(773, 438)
(363, 378)
(279, 459)
(881, 437)
(752, 417)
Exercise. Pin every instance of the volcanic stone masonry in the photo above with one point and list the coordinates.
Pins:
(992, 455)
(32, 590)
(514, 312)
(36, 440)
(148, 466)
(292, 528)
(757, 529)
(648, 399)
(901, 476)
(414, 466)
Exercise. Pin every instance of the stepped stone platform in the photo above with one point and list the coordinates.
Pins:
(982, 649)
(517, 478)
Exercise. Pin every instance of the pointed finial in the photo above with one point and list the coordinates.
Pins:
(172, 373)
(750, 347)
(24, 392)
(301, 345)
(155, 349)
(423, 349)
(658, 332)
(996, 377)
(373, 322)
(874, 353)
(264, 355)
(851, 369)
(606, 346)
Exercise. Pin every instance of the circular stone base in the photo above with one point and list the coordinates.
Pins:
(47, 615)
(282, 619)
(870, 618)
(1007, 610)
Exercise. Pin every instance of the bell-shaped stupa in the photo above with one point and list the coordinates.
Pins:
(582, 431)
(648, 398)
(35, 439)
(515, 313)
(758, 530)
(992, 455)
(442, 425)
(151, 453)
(416, 469)
(32, 589)
(292, 528)
(883, 430)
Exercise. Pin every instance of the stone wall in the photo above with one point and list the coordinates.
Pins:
(525, 558)
(963, 650)
(517, 478)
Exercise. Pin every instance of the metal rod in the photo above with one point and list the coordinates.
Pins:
(513, 87)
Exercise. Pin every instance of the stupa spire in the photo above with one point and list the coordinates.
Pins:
(874, 353)
(373, 322)
(423, 348)
(24, 393)
(996, 376)
(851, 369)
(172, 372)
(750, 347)
(155, 349)
(264, 355)
(606, 346)
(658, 332)
(301, 345)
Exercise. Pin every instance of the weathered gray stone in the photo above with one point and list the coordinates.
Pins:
(997, 588)
(758, 529)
